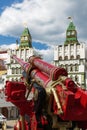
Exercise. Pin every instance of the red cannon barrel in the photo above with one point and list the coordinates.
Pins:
(36, 62)
(36, 74)
(24, 65)
(52, 71)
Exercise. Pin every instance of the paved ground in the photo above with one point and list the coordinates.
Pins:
(10, 124)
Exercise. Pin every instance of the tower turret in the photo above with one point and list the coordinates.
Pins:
(25, 39)
(71, 34)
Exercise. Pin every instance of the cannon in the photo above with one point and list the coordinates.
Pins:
(58, 103)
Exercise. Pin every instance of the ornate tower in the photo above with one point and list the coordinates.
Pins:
(25, 39)
(23, 51)
(71, 34)
(72, 56)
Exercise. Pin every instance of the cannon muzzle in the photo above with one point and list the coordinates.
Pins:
(24, 65)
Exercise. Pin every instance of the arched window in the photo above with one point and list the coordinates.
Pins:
(71, 76)
(71, 67)
(26, 59)
(16, 79)
(22, 52)
(13, 70)
(17, 70)
(66, 57)
(76, 67)
(78, 57)
(12, 79)
(62, 66)
(60, 57)
(71, 57)
(66, 67)
(20, 70)
(76, 78)
(12, 61)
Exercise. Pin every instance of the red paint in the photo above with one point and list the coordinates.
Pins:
(73, 100)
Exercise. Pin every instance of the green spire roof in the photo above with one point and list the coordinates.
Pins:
(26, 39)
(71, 34)
(71, 26)
(26, 32)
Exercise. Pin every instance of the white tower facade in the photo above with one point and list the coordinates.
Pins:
(73, 57)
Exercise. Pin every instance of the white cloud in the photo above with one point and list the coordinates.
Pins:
(10, 46)
(47, 54)
(45, 19)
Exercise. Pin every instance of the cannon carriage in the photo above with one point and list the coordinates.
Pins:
(58, 103)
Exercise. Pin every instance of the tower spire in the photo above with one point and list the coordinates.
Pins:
(71, 33)
(26, 39)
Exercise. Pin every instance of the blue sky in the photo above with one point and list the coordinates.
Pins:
(11, 39)
(3, 5)
(46, 20)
